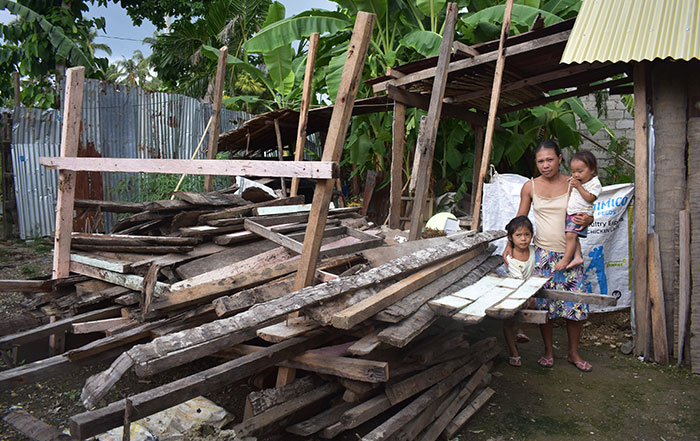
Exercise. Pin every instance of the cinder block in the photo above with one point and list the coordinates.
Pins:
(624, 124)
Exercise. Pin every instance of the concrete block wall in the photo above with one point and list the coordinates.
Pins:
(618, 119)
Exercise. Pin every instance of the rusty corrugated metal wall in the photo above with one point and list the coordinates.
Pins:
(117, 122)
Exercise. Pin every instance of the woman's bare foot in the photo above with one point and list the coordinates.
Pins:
(576, 261)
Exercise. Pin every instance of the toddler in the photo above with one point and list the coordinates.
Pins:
(585, 188)
(520, 265)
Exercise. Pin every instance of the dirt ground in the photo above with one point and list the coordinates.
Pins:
(622, 399)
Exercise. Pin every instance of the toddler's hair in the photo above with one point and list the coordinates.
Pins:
(587, 158)
(515, 224)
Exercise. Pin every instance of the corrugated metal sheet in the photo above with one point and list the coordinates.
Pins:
(117, 122)
(634, 30)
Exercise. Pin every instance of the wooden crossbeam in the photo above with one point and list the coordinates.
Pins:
(459, 65)
(231, 167)
(422, 101)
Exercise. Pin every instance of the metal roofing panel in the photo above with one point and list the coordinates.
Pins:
(634, 30)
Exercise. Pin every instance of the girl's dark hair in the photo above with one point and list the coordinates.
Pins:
(587, 158)
(514, 224)
(548, 144)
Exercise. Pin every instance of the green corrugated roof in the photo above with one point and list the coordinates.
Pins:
(634, 30)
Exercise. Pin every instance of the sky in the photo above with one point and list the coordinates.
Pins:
(124, 38)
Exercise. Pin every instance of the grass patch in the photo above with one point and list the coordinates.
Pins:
(29, 270)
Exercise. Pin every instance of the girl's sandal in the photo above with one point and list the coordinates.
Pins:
(514, 361)
(546, 362)
(583, 366)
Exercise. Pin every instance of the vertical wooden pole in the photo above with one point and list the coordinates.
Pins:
(128, 412)
(426, 143)
(280, 153)
(333, 148)
(493, 109)
(399, 133)
(305, 104)
(70, 137)
(641, 212)
(478, 151)
(656, 301)
(684, 283)
(15, 82)
(216, 113)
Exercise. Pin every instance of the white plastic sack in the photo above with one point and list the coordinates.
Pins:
(500, 204)
(606, 250)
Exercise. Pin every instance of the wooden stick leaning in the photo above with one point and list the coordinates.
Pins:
(194, 155)
(216, 114)
(305, 104)
(493, 109)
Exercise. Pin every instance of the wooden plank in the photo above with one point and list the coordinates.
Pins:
(126, 280)
(489, 57)
(91, 423)
(258, 422)
(151, 249)
(410, 304)
(641, 212)
(369, 371)
(20, 338)
(110, 264)
(292, 327)
(366, 344)
(656, 301)
(398, 392)
(319, 422)
(110, 206)
(538, 317)
(32, 427)
(221, 167)
(476, 311)
(265, 399)
(425, 145)
(398, 139)
(217, 98)
(70, 138)
(465, 49)
(365, 309)
(684, 282)
(510, 305)
(26, 285)
(335, 139)
(174, 350)
(275, 237)
(306, 96)
(579, 297)
(478, 153)
(100, 325)
(453, 408)
(461, 418)
(246, 210)
(493, 110)
(204, 249)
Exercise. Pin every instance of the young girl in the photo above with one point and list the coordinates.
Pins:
(585, 190)
(520, 265)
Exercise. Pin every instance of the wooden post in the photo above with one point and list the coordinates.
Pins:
(216, 114)
(305, 104)
(656, 301)
(684, 282)
(426, 143)
(399, 133)
(70, 137)
(340, 120)
(280, 153)
(128, 412)
(493, 110)
(641, 212)
(478, 151)
(15, 82)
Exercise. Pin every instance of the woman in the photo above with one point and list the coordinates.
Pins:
(548, 194)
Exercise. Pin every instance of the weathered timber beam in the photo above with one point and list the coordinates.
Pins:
(579, 297)
(231, 167)
(147, 403)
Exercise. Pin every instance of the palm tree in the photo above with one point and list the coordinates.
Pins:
(177, 56)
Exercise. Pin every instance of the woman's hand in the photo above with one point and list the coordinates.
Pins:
(507, 253)
(583, 220)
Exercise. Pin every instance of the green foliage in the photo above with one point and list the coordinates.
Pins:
(29, 270)
(45, 38)
(618, 172)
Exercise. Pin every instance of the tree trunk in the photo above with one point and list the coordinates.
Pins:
(670, 120)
